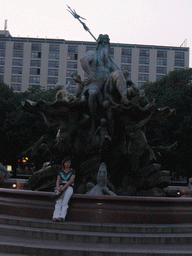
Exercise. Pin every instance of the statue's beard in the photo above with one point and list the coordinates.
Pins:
(103, 53)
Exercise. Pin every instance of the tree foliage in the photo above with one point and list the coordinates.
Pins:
(174, 90)
(19, 129)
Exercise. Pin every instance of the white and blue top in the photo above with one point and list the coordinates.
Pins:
(65, 177)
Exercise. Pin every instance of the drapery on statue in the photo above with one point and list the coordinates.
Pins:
(107, 116)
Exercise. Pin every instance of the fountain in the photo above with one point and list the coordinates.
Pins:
(103, 122)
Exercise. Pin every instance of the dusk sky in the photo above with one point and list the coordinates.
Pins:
(152, 22)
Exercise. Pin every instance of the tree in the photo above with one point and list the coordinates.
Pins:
(174, 90)
(19, 129)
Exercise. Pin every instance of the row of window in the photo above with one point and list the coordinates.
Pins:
(33, 79)
(72, 56)
(74, 49)
(145, 53)
(73, 66)
(145, 69)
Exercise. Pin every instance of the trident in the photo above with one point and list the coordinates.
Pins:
(76, 16)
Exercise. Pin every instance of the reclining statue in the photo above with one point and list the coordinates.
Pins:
(101, 187)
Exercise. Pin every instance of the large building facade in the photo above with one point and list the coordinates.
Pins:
(47, 62)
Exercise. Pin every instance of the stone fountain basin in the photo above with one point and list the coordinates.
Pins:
(98, 209)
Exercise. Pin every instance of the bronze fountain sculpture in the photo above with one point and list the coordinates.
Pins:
(103, 122)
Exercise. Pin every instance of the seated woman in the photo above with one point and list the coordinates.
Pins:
(65, 184)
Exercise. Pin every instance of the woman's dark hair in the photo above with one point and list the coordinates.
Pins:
(66, 159)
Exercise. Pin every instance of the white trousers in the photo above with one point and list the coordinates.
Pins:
(61, 204)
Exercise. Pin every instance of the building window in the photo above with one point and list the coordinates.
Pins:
(1, 69)
(35, 71)
(16, 70)
(36, 52)
(2, 61)
(126, 59)
(126, 51)
(126, 67)
(2, 53)
(34, 79)
(54, 47)
(72, 56)
(16, 87)
(71, 64)
(35, 47)
(143, 60)
(69, 72)
(161, 62)
(17, 62)
(1, 78)
(158, 77)
(53, 72)
(72, 48)
(18, 50)
(143, 77)
(17, 54)
(52, 80)
(179, 59)
(17, 79)
(35, 63)
(144, 69)
(54, 51)
(144, 53)
(180, 63)
(90, 48)
(36, 55)
(179, 55)
(53, 64)
(18, 46)
(53, 55)
(2, 45)
(162, 54)
(161, 70)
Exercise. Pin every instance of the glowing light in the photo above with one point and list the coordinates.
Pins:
(14, 185)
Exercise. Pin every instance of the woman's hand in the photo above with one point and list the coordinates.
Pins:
(61, 189)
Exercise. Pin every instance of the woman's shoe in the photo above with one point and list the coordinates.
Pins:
(60, 219)
(54, 220)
